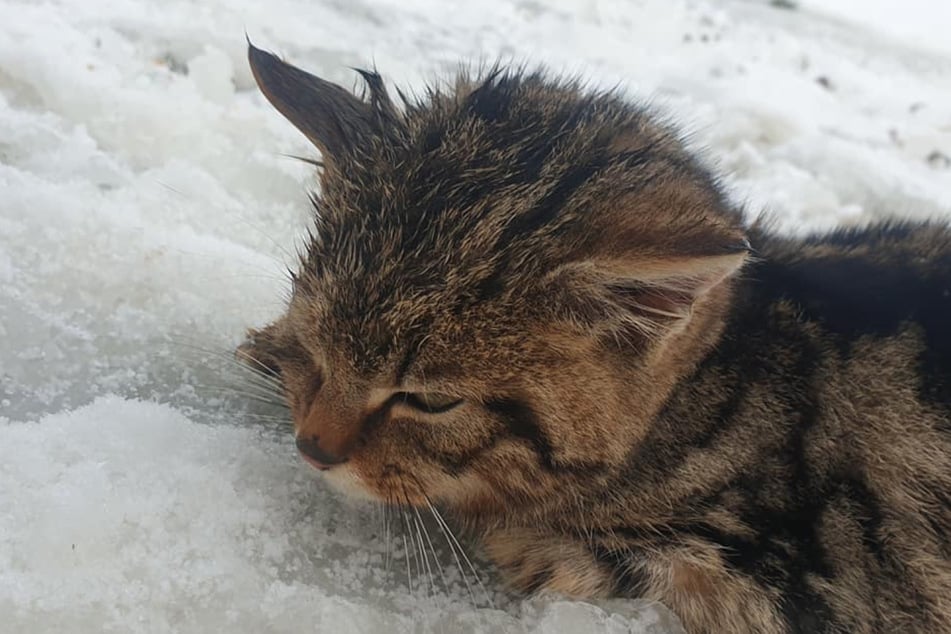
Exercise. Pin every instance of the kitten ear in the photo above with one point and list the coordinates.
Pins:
(649, 296)
(331, 117)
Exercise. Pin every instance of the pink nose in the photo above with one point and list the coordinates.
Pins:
(312, 452)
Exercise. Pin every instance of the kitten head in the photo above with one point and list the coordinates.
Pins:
(505, 278)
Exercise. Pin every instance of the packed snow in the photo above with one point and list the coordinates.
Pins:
(148, 209)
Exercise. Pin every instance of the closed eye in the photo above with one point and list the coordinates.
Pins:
(430, 402)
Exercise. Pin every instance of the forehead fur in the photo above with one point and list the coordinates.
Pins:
(463, 200)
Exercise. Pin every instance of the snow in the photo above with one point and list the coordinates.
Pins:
(147, 211)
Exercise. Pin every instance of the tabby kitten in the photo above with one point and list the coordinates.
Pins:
(528, 304)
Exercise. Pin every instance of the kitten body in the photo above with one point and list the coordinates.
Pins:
(799, 478)
(529, 305)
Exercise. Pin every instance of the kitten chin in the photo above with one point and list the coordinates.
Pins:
(343, 479)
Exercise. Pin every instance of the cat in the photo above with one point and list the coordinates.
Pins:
(528, 304)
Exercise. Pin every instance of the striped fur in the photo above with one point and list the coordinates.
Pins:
(529, 304)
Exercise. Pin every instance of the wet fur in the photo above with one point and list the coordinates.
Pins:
(658, 400)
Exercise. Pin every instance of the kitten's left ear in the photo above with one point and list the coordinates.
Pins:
(651, 296)
(330, 116)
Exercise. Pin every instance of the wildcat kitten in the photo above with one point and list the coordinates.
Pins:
(528, 304)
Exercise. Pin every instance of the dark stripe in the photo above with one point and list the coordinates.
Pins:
(491, 286)
(412, 351)
(771, 558)
(543, 213)
(805, 388)
(805, 615)
(626, 580)
(539, 580)
(456, 462)
(852, 295)
(870, 518)
(546, 209)
(670, 442)
(517, 421)
(521, 422)
(723, 420)
(939, 519)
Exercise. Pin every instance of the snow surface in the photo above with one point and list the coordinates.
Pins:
(147, 212)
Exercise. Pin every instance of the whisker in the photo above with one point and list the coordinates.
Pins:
(249, 372)
(268, 418)
(448, 532)
(442, 573)
(269, 390)
(249, 389)
(182, 340)
(409, 574)
(386, 537)
(455, 556)
(258, 370)
(418, 541)
(227, 353)
(264, 369)
(263, 380)
(409, 531)
(257, 378)
(236, 392)
(425, 558)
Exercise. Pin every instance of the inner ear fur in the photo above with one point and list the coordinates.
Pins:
(331, 117)
(649, 296)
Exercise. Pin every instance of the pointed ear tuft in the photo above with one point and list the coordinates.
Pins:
(332, 118)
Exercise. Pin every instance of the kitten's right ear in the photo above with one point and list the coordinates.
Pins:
(331, 117)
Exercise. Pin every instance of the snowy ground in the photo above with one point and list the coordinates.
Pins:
(146, 213)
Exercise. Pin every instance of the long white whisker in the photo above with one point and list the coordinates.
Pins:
(449, 533)
(252, 381)
(227, 355)
(425, 557)
(409, 574)
(455, 556)
(264, 369)
(261, 375)
(409, 531)
(236, 392)
(386, 536)
(259, 381)
(244, 390)
(442, 573)
(267, 417)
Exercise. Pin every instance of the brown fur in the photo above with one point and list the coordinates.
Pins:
(529, 305)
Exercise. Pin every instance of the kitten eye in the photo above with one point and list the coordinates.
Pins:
(431, 402)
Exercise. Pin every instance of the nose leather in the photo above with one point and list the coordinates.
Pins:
(316, 455)
(328, 431)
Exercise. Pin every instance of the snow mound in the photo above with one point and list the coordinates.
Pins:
(127, 516)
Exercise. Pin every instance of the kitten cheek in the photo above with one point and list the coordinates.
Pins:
(465, 491)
